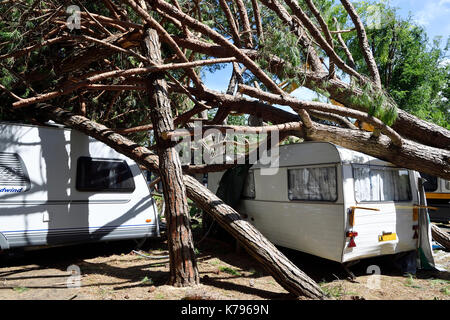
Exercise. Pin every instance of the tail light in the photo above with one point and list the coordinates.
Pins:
(351, 235)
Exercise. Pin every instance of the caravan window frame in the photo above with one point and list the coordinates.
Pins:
(244, 196)
(432, 180)
(315, 166)
(356, 165)
(446, 184)
(79, 178)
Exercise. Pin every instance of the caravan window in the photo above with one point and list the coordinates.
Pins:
(104, 175)
(431, 182)
(381, 184)
(312, 184)
(249, 186)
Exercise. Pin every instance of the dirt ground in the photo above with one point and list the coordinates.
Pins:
(112, 271)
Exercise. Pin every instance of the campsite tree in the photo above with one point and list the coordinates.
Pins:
(413, 68)
(93, 63)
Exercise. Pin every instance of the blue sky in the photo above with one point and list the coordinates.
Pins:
(433, 15)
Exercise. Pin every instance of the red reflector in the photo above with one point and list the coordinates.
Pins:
(352, 243)
(351, 234)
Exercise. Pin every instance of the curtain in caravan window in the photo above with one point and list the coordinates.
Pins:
(363, 184)
(381, 184)
(317, 184)
(385, 184)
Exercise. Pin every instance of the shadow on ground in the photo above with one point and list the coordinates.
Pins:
(320, 270)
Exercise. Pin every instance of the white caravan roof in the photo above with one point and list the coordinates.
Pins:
(308, 153)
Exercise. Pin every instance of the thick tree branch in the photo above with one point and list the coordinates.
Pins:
(247, 31)
(231, 22)
(319, 106)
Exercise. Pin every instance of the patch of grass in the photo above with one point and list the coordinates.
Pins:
(410, 282)
(445, 290)
(20, 289)
(229, 271)
(147, 280)
(435, 282)
(103, 291)
(160, 296)
(332, 291)
(215, 262)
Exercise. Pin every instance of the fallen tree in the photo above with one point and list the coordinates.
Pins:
(440, 236)
(100, 69)
(288, 275)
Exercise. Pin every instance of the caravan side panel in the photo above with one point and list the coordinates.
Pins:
(52, 210)
(313, 227)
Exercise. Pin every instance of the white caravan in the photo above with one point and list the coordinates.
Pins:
(332, 202)
(59, 186)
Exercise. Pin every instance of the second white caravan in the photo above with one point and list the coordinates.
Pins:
(60, 186)
(332, 202)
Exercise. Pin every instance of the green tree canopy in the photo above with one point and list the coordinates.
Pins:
(414, 69)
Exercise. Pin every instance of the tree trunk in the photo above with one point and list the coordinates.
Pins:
(183, 266)
(442, 237)
(284, 271)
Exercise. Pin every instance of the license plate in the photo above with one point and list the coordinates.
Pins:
(387, 237)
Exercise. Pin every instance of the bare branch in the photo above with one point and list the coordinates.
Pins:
(325, 30)
(10, 93)
(102, 27)
(165, 36)
(231, 22)
(290, 126)
(363, 42)
(247, 31)
(351, 61)
(114, 74)
(258, 22)
(334, 57)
